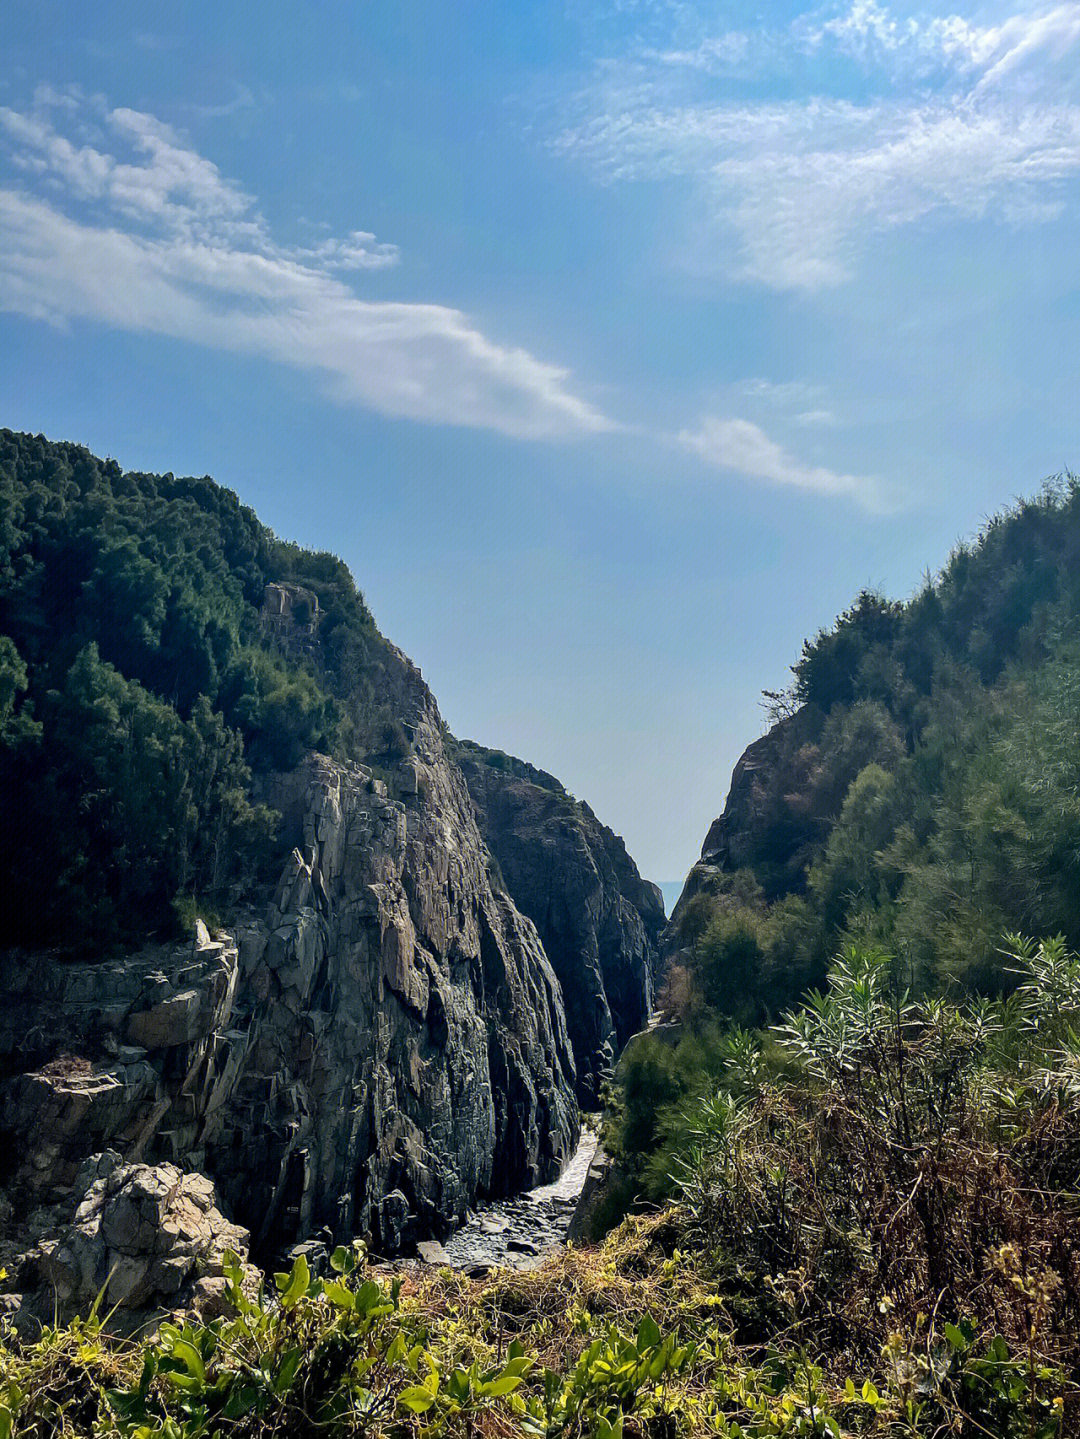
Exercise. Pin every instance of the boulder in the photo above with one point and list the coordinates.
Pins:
(174, 1021)
(430, 1251)
(140, 1234)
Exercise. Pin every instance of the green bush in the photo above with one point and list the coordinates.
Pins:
(886, 1158)
(629, 1340)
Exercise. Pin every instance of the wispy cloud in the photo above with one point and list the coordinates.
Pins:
(799, 395)
(111, 216)
(956, 120)
(800, 403)
(743, 448)
(114, 218)
(1036, 41)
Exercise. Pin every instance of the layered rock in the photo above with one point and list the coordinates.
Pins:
(598, 919)
(367, 1046)
(372, 1051)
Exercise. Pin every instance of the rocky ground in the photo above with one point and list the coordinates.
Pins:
(518, 1233)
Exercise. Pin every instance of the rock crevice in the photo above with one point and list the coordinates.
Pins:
(381, 1045)
(599, 921)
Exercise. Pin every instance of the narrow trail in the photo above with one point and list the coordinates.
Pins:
(519, 1232)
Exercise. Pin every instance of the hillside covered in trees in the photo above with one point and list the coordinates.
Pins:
(145, 678)
(919, 787)
(917, 793)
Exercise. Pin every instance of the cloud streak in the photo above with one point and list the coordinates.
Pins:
(961, 121)
(113, 219)
(116, 220)
(743, 448)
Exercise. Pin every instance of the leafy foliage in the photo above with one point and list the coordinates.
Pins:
(140, 685)
(918, 1151)
(920, 787)
(635, 1340)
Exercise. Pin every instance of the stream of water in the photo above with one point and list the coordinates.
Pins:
(519, 1232)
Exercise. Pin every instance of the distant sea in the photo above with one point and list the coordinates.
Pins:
(671, 889)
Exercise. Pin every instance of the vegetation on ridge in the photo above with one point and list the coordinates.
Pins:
(141, 684)
(919, 792)
(923, 790)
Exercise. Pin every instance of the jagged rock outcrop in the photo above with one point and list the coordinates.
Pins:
(598, 919)
(137, 1238)
(373, 1036)
(371, 1051)
(764, 816)
(141, 1236)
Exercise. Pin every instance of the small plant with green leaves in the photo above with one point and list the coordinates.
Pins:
(615, 1376)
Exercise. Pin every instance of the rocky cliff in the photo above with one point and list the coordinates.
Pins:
(768, 822)
(598, 919)
(372, 1049)
(198, 718)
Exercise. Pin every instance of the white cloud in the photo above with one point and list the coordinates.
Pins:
(789, 191)
(782, 394)
(1049, 38)
(119, 222)
(157, 240)
(1041, 39)
(799, 402)
(724, 54)
(743, 448)
(877, 35)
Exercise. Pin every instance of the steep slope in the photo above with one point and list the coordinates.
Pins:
(763, 827)
(374, 1036)
(917, 789)
(379, 1046)
(599, 921)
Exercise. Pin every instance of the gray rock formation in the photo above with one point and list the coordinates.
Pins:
(763, 817)
(598, 919)
(143, 1237)
(376, 1048)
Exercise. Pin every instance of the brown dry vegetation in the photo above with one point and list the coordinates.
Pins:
(879, 1234)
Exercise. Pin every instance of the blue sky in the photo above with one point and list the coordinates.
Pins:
(614, 346)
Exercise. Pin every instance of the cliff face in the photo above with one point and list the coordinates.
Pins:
(373, 1050)
(768, 821)
(374, 1037)
(598, 919)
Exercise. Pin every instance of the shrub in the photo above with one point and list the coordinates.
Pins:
(893, 1158)
(628, 1341)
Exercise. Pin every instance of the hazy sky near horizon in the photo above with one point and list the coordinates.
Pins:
(614, 346)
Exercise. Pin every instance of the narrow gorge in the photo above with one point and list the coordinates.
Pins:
(401, 1015)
